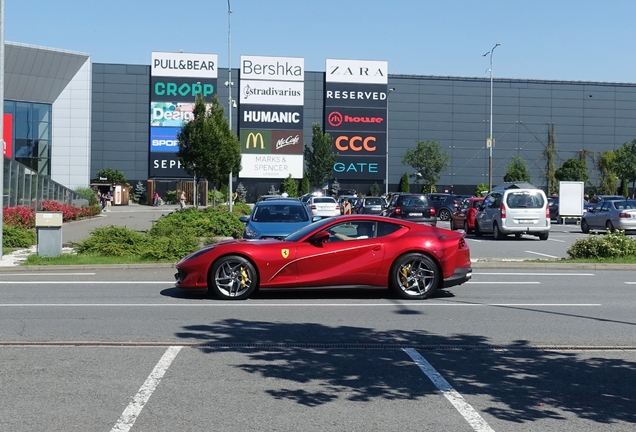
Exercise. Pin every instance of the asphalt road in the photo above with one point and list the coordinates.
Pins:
(512, 350)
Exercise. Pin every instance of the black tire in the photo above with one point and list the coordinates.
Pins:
(232, 278)
(478, 232)
(415, 276)
(452, 225)
(466, 229)
(518, 235)
(609, 226)
(496, 232)
(544, 236)
(585, 228)
(444, 215)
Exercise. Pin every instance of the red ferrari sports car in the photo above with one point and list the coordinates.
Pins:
(344, 251)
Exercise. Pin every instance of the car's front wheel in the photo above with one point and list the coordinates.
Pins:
(444, 215)
(415, 276)
(496, 232)
(585, 228)
(232, 278)
(478, 232)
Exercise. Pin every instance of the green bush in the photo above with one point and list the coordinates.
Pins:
(17, 237)
(612, 245)
(114, 241)
(88, 194)
(171, 248)
(210, 222)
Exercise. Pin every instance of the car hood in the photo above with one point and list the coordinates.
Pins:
(282, 229)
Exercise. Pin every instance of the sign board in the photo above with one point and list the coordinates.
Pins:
(571, 198)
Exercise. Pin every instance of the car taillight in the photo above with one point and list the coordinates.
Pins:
(624, 215)
(462, 243)
(432, 211)
(313, 207)
(337, 207)
(547, 211)
(398, 211)
(502, 211)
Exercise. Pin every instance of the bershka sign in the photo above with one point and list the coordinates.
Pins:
(356, 119)
(184, 65)
(273, 68)
(271, 117)
(272, 93)
(357, 71)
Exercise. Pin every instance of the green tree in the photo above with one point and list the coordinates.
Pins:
(111, 175)
(481, 187)
(428, 160)
(550, 153)
(304, 186)
(290, 186)
(605, 165)
(572, 170)
(625, 162)
(374, 190)
(517, 170)
(319, 157)
(208, 149)
(404, 183)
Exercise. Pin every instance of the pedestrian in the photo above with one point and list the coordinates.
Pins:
(182, 200)
(285, 195)
(155, 199)
(109, 200)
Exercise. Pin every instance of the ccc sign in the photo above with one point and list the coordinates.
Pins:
(356, 143)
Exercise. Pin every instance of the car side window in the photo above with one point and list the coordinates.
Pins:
(352, 231)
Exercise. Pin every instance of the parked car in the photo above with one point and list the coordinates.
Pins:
(449, 206)
(275, 218)
(370, 205)
(610, 215)
(323, 206)
(415, 260)
(596, 199)
(514, 211)
(414, 208)
(436, 200)
(464, 216)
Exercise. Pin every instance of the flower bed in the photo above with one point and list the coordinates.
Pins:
(24, 217)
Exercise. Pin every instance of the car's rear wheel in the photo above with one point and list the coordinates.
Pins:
(232, 278)
(496, 232)
(444, 215)
(478, 232)
(609, 226)
(544, 236)
(585, 228)
(466, 229)
(415, 276)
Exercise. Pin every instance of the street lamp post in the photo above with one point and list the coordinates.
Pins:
(386, 180)
(229, 90)
(490, 142)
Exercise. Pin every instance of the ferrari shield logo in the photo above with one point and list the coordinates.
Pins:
(284, 253)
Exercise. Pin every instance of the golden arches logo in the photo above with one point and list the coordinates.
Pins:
(255, 138)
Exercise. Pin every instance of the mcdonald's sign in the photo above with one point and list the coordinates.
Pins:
(256, 141)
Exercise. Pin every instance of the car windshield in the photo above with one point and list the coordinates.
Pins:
(279, 213)
(373, 201)
(524, 199)
(295, 236)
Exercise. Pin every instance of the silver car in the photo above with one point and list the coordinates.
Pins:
(610, 215)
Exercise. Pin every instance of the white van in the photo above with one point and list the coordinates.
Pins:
(514, 211)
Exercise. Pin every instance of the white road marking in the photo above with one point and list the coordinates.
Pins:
(555, 240)
(132, 411)
(270, 305)
(465, 409)
(47, 274)
(545, 255)
(630, 283)
(472, 282)
(85, 282)
(534, 274)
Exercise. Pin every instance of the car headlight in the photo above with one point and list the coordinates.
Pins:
(250, 233)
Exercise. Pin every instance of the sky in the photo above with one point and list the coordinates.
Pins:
(569, 40)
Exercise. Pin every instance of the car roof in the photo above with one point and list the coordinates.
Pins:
(278, 201)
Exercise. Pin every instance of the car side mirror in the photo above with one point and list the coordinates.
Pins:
(320, 237)
(244, 219)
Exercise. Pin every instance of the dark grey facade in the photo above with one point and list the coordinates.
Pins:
(588, 116)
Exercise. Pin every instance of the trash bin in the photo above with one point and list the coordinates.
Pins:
(48, 226)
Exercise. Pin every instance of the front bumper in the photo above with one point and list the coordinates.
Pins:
(460, 276)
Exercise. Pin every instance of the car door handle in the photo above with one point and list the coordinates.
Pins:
(377, 248)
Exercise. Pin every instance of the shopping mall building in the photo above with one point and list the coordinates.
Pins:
(69, 117)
